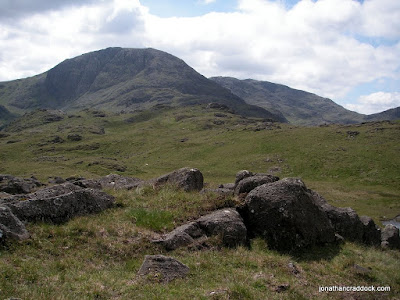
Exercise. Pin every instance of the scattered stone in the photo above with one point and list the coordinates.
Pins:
(62, 208)
(218, 122)
(282, 287)
(249, 183)
(56, 140)
(114, 181)
(293, 269)
(226, 223)
(390, 238)
(11, 226)
(185, 178)
(74, 137)
(56, 180)
(352, 134)
(286, 215)
(15, 185)
(164, 268)
(361, 270)
(215, 105)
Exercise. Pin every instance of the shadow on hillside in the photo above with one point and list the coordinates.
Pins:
(317, 253)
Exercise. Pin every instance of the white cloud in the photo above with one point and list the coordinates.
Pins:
(206, 1)
(375, 102)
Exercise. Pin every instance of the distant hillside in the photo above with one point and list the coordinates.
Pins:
(297, 106)
(391, 114)
(5, 116)
(120, 79)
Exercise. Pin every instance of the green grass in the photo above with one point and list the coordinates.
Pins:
(98, 256)
(360, 172)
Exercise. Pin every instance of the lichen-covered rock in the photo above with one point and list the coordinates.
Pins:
(15, 185)
(286, 216)
(186, 178)
(242, 175)
(62, 208)
(163, 267)
(344, 219)
(226, 223)
(11, 226)
(249, 183)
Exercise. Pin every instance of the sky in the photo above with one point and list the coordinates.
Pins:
(345, 50)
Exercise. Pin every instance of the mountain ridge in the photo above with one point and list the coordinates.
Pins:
(117, 79)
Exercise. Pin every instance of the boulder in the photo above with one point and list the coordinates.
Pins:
(242, 175)
(249, 183)
(390, 237)
(344, 219)
(225, 222)
(372, 233)
(185, 178)
(285, 214)
(62, 208)
(11, 226)
(15, 185)
(44, 193)
(114, 181)
(163, 267)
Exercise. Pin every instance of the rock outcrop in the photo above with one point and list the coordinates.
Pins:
(11, 226)
(16, 185)
(186, 178)
(249, 183)
(226, 223)
(62, 208)
(286, 215)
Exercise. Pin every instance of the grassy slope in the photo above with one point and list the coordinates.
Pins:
(98, 256)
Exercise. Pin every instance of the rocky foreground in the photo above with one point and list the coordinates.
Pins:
(288, 215)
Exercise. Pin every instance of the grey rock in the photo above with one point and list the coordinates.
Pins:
(186, 178)
(249, 183)
(115, 181)
(390, 237)
(62, 208)
(286, 216)
(345, 220)
(15, 185)
(167, 268)
(11, 226)
(372, 233)
(225, 222)
(74, 137)
(241, 175)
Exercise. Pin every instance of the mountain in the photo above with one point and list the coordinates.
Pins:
(119, 79)
(390, 114)
(5, 115)
(298, 107)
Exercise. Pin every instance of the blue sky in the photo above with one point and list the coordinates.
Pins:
(346, 50)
